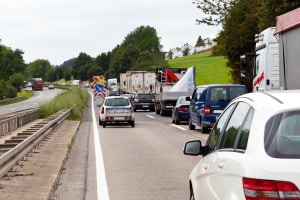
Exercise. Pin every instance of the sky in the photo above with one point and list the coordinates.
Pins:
(58, 30)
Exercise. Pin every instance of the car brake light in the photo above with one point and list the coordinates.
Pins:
(102, 110)
(182, 109)
(259, 189)
(207, 111)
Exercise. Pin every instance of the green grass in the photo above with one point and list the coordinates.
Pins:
(73, 98)
(209, 69)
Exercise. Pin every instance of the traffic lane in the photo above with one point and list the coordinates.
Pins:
(146, 162)
(38, 98)
(152, 116)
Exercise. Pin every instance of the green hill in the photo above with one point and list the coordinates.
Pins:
(209, 69)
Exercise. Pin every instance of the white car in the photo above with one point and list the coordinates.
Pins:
(252, 152)
(116, 110)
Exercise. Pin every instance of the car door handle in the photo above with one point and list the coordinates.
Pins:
(221, 164)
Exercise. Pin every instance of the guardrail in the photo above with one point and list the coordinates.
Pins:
(15, 154)
(12, 121)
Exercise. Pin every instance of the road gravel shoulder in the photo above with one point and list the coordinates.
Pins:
(36, 176)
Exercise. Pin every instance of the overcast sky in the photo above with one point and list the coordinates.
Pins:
(58, 30)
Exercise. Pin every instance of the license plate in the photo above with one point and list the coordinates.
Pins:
(118, 118)
(218, 111)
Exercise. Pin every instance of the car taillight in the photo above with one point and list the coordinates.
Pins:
(259, 189)
(136, 100)
(102, 110)
(207, 111)
(182, 109)
(153, 100)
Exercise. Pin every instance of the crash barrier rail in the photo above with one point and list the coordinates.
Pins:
(15, 149)
(12, 121)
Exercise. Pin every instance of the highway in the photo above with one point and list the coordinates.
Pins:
(39, 97)
(120, 162)
(145, 162)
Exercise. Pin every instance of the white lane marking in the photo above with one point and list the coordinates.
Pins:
(179, 127)
(150, 116)
(102, 191)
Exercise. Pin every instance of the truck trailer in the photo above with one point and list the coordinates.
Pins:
(170, 85)
(137, 82)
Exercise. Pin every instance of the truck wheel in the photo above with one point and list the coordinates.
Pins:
(191, 126)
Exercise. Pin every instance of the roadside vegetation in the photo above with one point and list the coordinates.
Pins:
(209, 69)
(74, 98)
(21, 96)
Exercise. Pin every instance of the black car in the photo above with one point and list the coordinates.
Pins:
(144, 101)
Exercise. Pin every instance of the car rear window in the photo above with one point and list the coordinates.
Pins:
(225, 93)
(282, 135)
(144, 96)
(117, 102)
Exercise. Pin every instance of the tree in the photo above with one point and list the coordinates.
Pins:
(217, 10)
(39, 69)
(17, 81)
(200, 42)
(11, 61)
(140, 50)
(186, 51)
(82, 60)
(144, 38)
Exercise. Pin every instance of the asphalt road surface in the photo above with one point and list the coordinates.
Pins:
(145, 162)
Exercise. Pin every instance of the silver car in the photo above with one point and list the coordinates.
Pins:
(116, 110)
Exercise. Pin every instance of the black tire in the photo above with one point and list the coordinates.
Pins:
(191, 126)
(100, 122)
(104, 124)
(176, 120)
(202, 128)
(132, 124)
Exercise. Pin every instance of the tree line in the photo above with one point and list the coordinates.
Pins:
(140, 50)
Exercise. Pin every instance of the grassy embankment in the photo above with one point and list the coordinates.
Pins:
(73, 98)
(209, 69)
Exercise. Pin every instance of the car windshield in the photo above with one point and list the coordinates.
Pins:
(282, 135)
(117, 102)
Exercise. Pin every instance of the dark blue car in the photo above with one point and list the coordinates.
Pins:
(208, 102)
(180, 112)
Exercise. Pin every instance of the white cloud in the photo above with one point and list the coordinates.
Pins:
(60, 29)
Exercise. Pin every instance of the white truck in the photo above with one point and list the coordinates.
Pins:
(276, 63)
(112, 82)
(137, 82)
(170, 85)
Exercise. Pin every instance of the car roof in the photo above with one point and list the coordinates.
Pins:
(215, 85)
(274, 101)
(116, 97)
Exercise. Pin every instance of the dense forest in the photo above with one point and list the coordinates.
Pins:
(141, 48)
